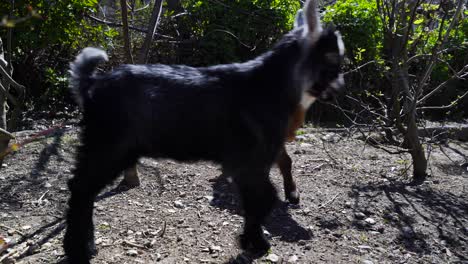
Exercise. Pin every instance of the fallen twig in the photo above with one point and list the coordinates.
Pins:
(329, 202)
(39, 201)
(163, 231)
(128, 243)
(13, 230)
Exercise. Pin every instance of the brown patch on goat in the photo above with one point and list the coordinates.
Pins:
(295, 122)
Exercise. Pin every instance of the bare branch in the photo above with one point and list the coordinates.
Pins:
(153, 25)
(359, 67)
(114, 24)
(10, 97)
(436, 48)
(460, 75)
(9, 80)
(452, 104)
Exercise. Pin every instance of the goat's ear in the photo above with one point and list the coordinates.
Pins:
(312, 18)
(299, 19)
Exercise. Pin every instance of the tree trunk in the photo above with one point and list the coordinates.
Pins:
(3, 109)
(155, 15)
(416, 149)
(126, 34)
(397, 97)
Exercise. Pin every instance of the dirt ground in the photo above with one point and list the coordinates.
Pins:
(356, 207)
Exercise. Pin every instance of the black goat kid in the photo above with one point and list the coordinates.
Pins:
(237, 115)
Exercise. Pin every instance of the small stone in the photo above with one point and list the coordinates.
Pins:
(359, 215)
(367, 262)
(178, 204)
(364, 247)
(211, 224)
(293, 259)
(179, 238)
(205, 249)
(47, 185)
(380, 228)
(214, 249)
(171, 211)
(370, 221)
(272, 257)
(348, 204)
(132, 253)
(26, 227)
(266, 233)
(407, 232)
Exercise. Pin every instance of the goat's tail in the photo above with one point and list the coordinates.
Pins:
(81, 71)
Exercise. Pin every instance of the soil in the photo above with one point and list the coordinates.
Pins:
(357, 206)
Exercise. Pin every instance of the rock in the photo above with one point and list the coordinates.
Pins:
(359, 215)
(407, 232)
(370, 221)
(292, 259)
(214, 249)
(47, 185)
(132, 253)
(26, 227)
(364, 247)
(380, 228)
(367, 262)
(348, 204)
(178, 204)
(272, 258)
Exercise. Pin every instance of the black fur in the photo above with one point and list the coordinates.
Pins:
(235, 115)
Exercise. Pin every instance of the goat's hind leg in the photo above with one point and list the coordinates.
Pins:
(94, 170)
(284, 163)
(258, 198)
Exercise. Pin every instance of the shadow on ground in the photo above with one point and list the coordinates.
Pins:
(279, 224)
(420, 213)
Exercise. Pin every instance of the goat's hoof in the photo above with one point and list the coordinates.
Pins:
(126, 184)
(293, 197)
(256, 245)
(91, 250)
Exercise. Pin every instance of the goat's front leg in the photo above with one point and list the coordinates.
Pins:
(284, 163)
(258, 198)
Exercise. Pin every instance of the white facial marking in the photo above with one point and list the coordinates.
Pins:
(338, 82)
(341, 47)
(307, 100)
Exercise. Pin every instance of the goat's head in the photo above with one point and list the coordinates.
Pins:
(318, 71)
